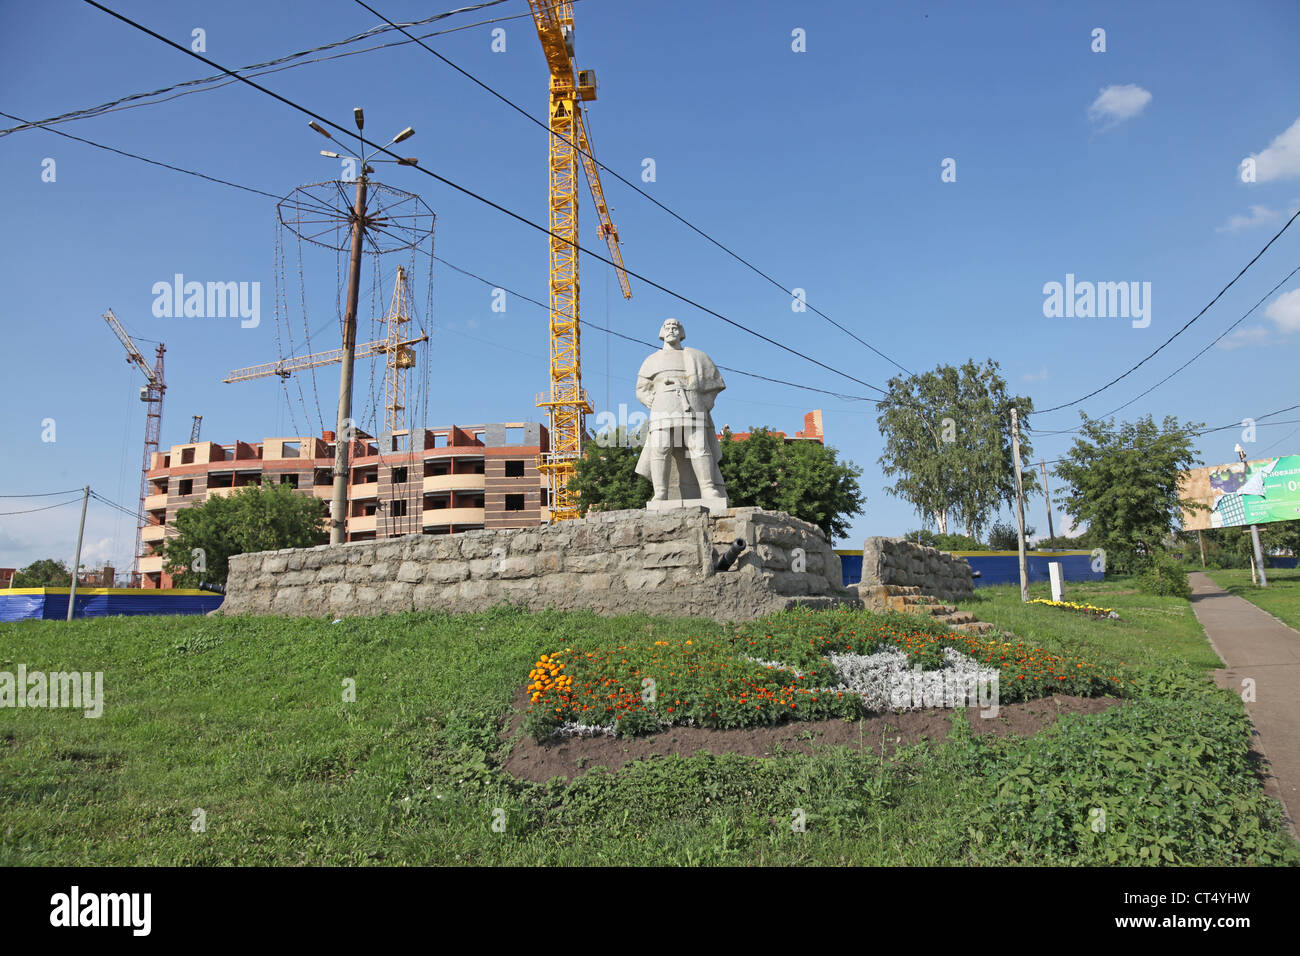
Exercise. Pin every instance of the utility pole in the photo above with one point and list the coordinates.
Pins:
(343, 435)
(343, 429)
(1259, 555)
(76, 562)
(1020, 504)
(1047, 494)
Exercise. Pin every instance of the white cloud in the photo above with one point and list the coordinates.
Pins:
(95, 553)
(1117, 103)
(1250, 335)
(1259, 215)
(1285, 311)
(1281, 158)
(1040, 376)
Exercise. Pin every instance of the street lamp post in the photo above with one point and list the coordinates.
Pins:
(360, 222)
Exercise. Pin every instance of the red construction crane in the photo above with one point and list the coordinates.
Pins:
(152, 395)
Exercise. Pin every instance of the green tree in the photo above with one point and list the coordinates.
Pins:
(948, 443)
(606, 478)
(263, 517)
(1123, 482)
(45, 573)
(803, 478)
(1232, 547)
(1005, 536)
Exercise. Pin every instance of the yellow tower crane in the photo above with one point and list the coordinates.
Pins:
(566, 400)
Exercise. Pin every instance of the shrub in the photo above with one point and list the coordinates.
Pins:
(1004, 536)
(946, 542)
(1164, 576)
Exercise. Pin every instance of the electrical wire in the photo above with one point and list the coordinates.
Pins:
(524, 113)
(270, 195)
(70, 501)
(361, 138)
(279, 64)
(44, 494)
(1197, 433)
(1186, 326)
(1222, 335)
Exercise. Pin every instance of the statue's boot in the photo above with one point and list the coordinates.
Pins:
(661, 473)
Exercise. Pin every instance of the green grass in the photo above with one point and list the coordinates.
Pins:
(1150, 629)
(1281, 598)
(245, 719)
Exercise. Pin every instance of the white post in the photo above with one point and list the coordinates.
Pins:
(1058, 580)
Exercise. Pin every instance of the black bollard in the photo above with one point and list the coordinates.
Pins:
(732, 553)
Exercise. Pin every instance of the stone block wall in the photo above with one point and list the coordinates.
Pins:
(619, 562)
(898, 561)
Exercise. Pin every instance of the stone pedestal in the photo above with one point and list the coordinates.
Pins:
(714, 506)
(617, 562)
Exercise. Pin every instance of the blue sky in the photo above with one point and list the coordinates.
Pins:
(820, 167)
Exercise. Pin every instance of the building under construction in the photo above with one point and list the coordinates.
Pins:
(424, 481)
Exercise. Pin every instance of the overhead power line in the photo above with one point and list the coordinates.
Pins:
(690, 225)
(1197, 433)
(27, 511)
(629, 338)
(1222, 335)
(45, 494)
(451, 265)
(206, 84)
(1186, 326)
(360, 137)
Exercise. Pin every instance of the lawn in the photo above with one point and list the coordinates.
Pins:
(1150, 629)
(1281, 598)
(246, 720)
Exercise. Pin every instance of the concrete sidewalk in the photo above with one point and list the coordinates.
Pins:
(1255, 645)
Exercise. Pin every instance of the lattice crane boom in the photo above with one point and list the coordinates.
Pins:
(566, 400)
(132, 352)
(301, 363)
(396, 350)
(608, 231)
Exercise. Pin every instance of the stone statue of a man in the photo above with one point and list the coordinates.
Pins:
(681, 452)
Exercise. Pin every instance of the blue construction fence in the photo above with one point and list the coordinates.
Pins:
(51, 604)
(999, 567)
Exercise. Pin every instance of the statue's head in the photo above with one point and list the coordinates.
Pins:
(672, 332)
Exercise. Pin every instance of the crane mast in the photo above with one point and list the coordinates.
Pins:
(152, 395)
(566, 399)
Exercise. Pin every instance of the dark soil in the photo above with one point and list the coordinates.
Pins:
(573, 756)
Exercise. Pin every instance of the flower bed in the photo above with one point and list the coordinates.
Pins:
(777, 669)
(1089, 609)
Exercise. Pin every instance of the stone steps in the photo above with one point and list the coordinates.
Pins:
(911, 600)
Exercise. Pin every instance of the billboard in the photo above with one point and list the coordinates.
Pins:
(1243, 493)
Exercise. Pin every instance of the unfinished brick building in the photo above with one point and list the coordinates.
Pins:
(426, 480)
